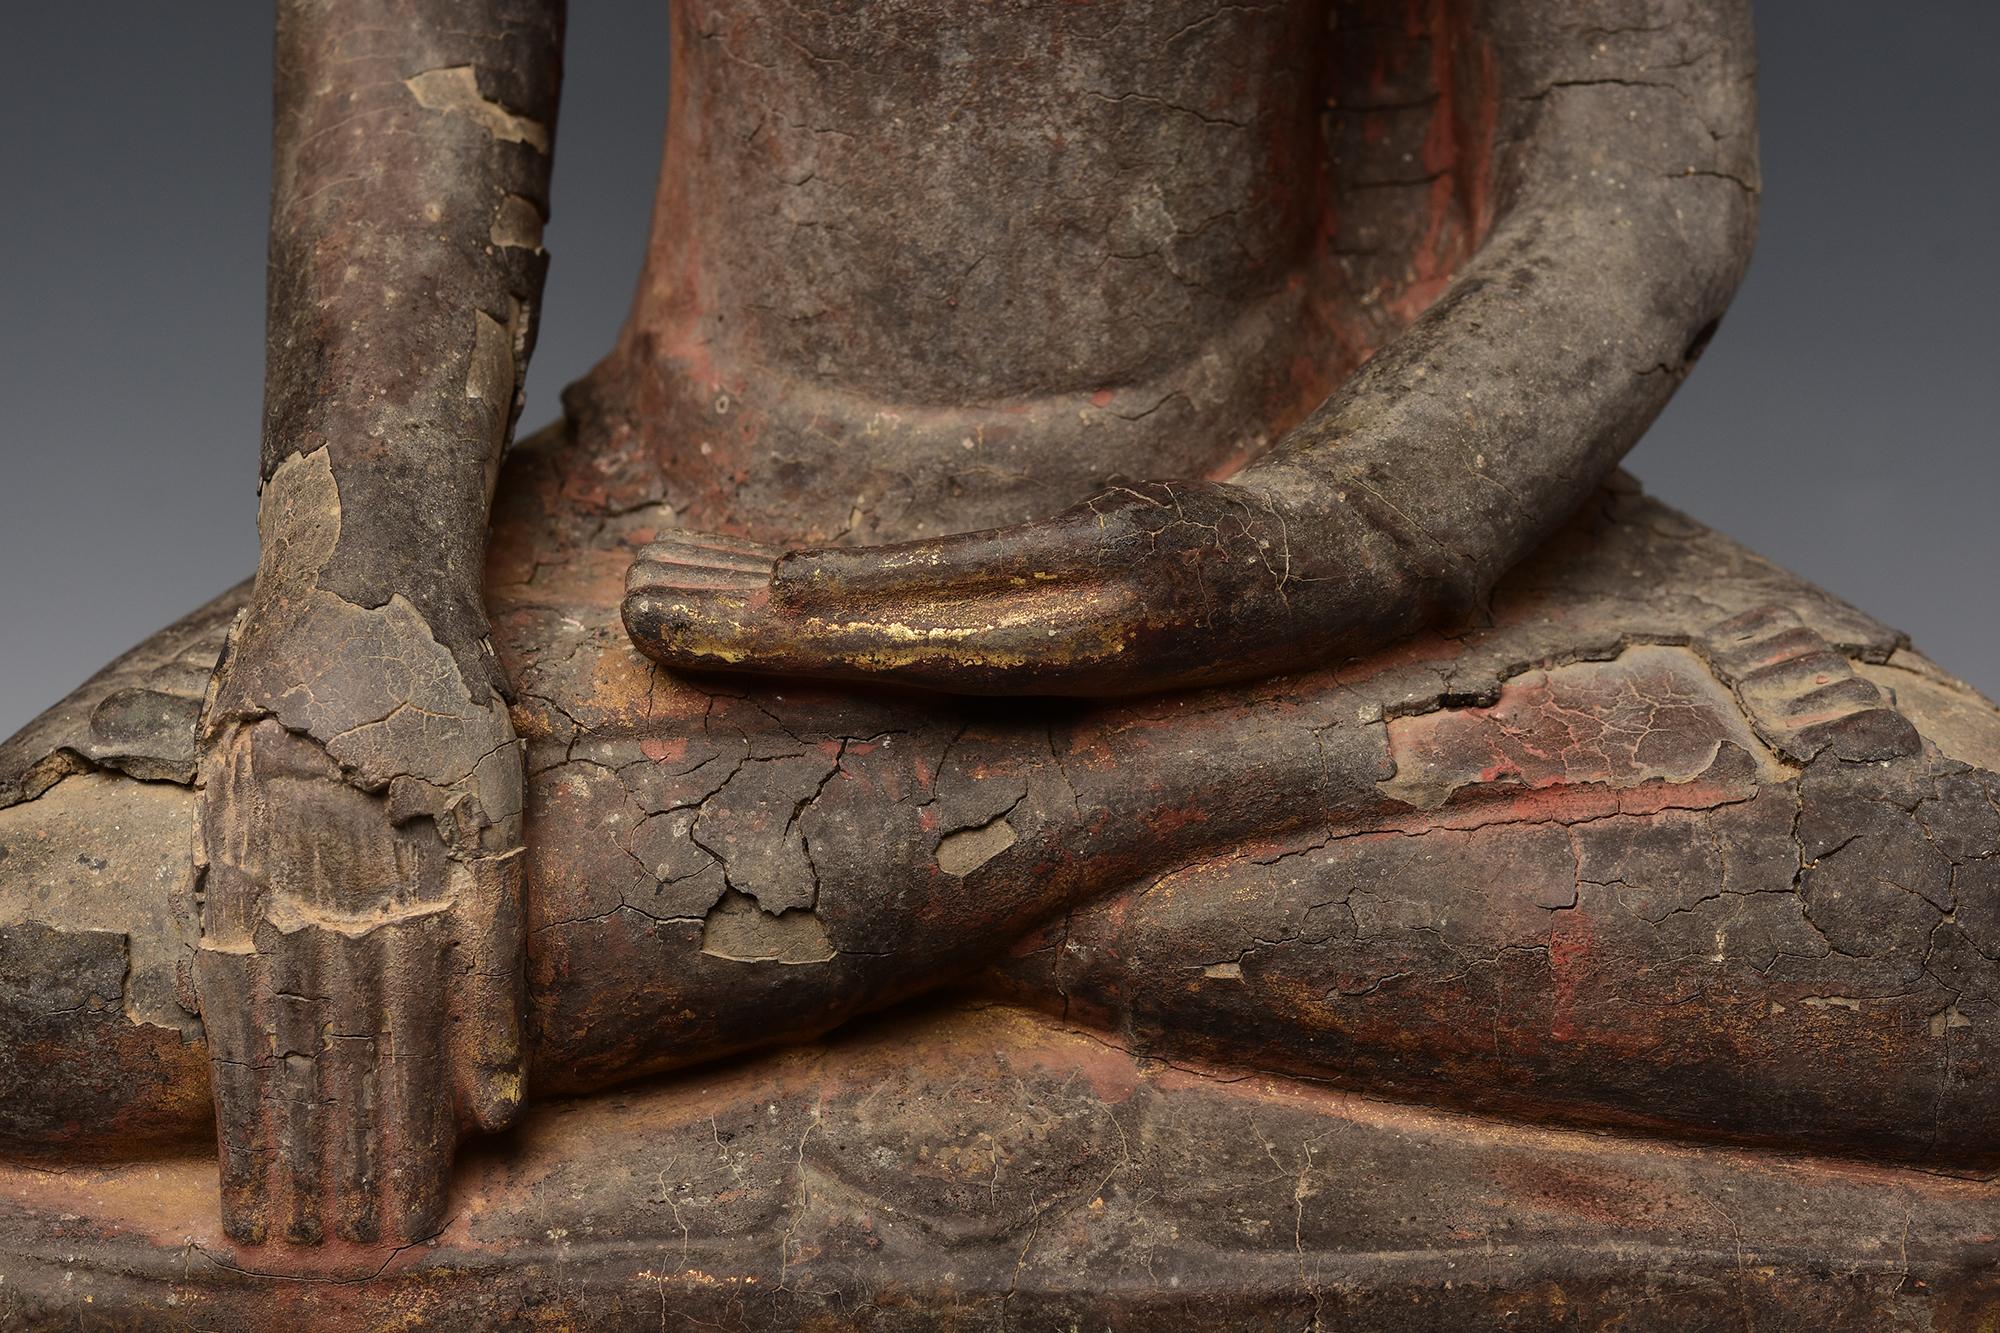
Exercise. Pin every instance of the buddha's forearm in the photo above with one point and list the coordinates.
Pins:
(1623, 180)
(1631, 211)
(411, 181)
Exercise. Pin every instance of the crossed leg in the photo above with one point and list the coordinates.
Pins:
(1625, 854)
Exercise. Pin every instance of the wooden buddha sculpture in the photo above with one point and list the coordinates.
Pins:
(1101, 514)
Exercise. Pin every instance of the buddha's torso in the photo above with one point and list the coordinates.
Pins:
(1111, 267)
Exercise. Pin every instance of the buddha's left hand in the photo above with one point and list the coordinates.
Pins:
(1626, 207)
(1140, 588)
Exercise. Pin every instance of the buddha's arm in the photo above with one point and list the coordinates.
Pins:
(1625, 173)
(359, 969)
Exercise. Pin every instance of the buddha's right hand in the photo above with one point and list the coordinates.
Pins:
(359, 970)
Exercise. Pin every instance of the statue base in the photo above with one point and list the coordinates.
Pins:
(975, 1166)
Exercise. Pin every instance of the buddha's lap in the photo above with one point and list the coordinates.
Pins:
(1624, 890)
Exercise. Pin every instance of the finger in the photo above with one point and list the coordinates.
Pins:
(702, 561)
(488, 1059)
(686, 620)
(233, 1020)
(1025, 639)
(353, 1086)
(1067, 549)
(415, 1129)
(298, 1022)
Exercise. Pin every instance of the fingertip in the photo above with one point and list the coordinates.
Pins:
(696, 629)
(497, 1094)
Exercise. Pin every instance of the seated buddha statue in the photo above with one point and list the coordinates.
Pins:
(1100, 534)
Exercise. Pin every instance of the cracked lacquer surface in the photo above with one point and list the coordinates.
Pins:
(1461, 851)
(1589, 862)
(1660, 881)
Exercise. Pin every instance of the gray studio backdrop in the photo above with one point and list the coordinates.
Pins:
(1842, 422)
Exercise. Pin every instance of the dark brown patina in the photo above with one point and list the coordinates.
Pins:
(1100, 536)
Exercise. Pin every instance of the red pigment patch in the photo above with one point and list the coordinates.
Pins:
(1654, 713)
(1570, 946)
(664, 752)
(1168, 822)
